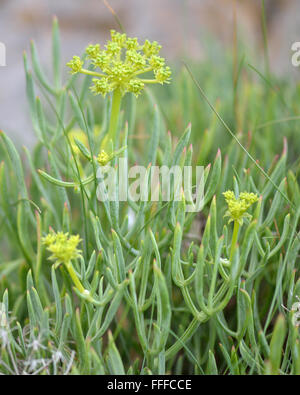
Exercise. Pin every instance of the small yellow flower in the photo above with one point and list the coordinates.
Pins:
(237, 207)
(103, 158)
(75, 64)
(62, 247)
(49, 239)
(92, 51)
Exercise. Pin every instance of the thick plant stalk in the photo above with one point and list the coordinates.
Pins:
(74, 277)
(113, 123)
(234, 238)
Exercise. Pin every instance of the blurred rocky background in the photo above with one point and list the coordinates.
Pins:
(183, 27)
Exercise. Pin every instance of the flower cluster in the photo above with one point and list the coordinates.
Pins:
(103, 158)
(237, 207)
(122, 61)
(62, 246)
(75, 64)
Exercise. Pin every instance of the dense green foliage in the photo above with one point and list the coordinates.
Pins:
(167, 298)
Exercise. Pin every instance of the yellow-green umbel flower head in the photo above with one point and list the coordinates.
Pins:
(122, 63)
(64, 248)
(237, 207)
(103, 158)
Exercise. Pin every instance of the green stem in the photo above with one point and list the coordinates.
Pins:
(37, 270)
(189, 332)
(114, 120)
(93, 73)
(74, 277)
(146, 81)
(39, 250)
(234, 239)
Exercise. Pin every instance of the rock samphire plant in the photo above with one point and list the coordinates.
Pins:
(141, 287)
(122, 66)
